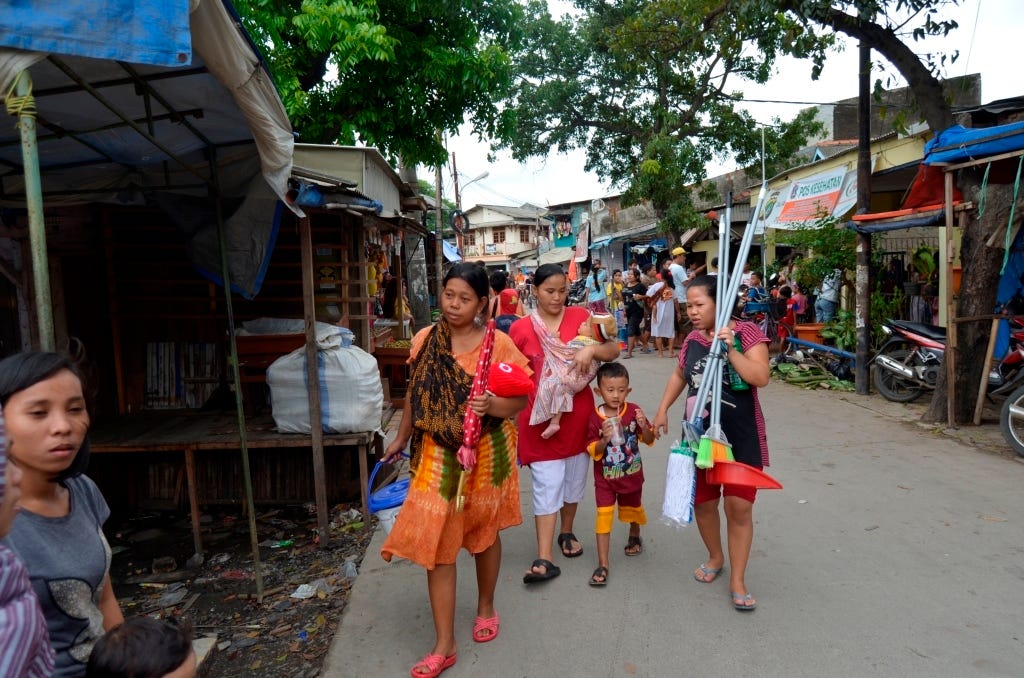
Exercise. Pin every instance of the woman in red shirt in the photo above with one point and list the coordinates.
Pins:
(506, 306)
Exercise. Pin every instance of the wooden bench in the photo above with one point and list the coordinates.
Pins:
(189, 431)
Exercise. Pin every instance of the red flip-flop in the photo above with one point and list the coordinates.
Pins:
(482, 626)
(434, 664)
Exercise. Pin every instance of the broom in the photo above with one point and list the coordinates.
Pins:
(714, 446)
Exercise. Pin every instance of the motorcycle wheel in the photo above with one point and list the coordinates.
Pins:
(893, 387)
(1011, 420)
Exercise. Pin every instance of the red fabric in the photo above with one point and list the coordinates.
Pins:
(571, 438)
(508, 301)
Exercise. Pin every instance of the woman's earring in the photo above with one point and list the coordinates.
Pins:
(479, 320)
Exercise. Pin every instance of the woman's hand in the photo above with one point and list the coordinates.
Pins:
(583, 358)
(480, 404)
(660, 423)
(728, 335)
(396, 448)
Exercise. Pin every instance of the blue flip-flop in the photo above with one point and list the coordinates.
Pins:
(740, 602)
(708, 572)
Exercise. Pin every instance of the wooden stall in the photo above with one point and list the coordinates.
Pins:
(113, 271)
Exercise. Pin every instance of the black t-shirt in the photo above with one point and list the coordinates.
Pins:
(634, 307)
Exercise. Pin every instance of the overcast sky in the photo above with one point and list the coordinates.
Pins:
(988, 31)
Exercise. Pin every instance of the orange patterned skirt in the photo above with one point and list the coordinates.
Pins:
(429, 531)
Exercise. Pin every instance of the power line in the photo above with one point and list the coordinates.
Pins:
(974, 32)
(851, 104)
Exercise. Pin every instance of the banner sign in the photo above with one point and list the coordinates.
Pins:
(805, 201)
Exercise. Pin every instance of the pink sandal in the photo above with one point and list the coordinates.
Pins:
(481, 626)
(434, 664)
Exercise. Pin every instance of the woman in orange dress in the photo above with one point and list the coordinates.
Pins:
(429, 530)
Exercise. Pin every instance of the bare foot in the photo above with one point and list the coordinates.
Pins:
(551, 430)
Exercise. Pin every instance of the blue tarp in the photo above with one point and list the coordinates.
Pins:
(1011, 285)
(957, 144)
(154, 32)
(451, 252)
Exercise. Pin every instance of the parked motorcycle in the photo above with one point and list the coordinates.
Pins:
(577, 292)
(909, 362)
(1011, 415)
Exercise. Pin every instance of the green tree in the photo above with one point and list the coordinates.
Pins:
(646, 88)
(389, 73)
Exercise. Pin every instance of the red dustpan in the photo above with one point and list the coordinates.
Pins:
(735, 473)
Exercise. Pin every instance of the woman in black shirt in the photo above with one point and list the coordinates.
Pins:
(634, 298)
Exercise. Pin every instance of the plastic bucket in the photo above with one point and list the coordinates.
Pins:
(386, 501)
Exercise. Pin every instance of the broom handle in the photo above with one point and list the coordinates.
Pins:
(732, 289)
(723, 311)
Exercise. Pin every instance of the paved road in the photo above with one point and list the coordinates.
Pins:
(894, 550)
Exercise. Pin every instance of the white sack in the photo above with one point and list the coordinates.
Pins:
(351, 395)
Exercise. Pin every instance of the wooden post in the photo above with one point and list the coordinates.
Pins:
(115, 314)
(951, 334)
(983, 386)
(316, 430)
(193, 498)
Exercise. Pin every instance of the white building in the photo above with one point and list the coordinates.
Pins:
(498, 233)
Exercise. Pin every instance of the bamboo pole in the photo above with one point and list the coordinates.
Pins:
(236, 378)
(22, 105)
(979, 405)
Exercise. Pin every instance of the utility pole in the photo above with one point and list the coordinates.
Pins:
(438, 233)
(458, 207)
(863, 311)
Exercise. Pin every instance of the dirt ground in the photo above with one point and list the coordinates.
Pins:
(306, 587)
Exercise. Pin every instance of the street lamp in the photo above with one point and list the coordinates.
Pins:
(458, 204)
(458, 195)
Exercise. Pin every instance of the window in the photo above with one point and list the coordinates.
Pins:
(524, 234)
(499, 235)
(469, 238)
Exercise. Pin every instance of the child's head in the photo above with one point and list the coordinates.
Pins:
(612, 384)
(785, 292)
(603, 327)
(143, 648)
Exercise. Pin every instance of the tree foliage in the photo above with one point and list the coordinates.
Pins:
(646, 87)
(389, 73)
